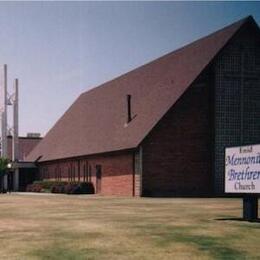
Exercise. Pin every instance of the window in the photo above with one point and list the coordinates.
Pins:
(69, 173)
(56, 173)
(60, 173)
(84, 172)
(78, 171)
(89, 173)
(74, 173)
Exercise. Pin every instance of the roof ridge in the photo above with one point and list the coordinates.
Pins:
(242, 21)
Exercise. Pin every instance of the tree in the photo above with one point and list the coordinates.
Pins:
(3, 165)
(3, 170)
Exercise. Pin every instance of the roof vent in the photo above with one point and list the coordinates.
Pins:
(129, 115)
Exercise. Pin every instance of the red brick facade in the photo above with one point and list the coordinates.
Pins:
(117, 172)
(177, 152)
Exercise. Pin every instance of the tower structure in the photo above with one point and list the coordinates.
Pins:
(3, 111)
(15, 139)
(5, 100)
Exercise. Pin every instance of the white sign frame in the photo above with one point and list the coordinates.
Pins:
(242, 169)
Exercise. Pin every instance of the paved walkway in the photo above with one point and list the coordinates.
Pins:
(34, 193)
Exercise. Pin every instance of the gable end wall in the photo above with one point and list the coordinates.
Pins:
(177, 152)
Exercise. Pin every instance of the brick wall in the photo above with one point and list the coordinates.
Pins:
(117, 172)
(138, 172)
(177, 152)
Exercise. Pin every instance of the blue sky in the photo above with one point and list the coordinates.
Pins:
(61, 49)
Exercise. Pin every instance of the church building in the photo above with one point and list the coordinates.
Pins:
(162, 129)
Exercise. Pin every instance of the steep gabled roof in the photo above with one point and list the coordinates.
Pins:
(95, 123)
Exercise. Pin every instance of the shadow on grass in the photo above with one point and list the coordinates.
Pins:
(212, 245)
(216, 247)
(65, 253)
(65, 245)
(238, 219)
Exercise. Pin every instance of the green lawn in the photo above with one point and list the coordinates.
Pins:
(92, 227)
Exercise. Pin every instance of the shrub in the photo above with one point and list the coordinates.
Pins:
(72, 188)
(35, 187)
(79, 188)
(61, 187)
(57, 188)
(47, 185)
(29, 188)
(87, 188)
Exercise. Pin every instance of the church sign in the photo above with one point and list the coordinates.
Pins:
(242, 169)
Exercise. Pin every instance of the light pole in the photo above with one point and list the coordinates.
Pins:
(9, 167)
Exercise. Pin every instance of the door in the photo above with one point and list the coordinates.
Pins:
(98, 178)
(10, 181)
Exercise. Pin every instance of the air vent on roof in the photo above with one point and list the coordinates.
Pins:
(129, 115)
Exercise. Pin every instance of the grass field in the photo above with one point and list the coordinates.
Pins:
(89, 227)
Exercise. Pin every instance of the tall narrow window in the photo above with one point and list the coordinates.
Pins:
(84, 172)
(60, 173)
(89, 173)
(56, 173)
(78, 170)
(74, 173)
(69, 173)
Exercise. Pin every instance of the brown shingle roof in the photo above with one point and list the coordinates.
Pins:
(95, 123)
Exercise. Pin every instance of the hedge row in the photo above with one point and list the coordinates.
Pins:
(47, 185)
(61, 187)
